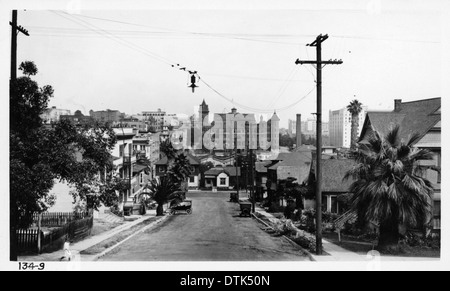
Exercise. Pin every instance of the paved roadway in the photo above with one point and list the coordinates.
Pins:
(213, 232)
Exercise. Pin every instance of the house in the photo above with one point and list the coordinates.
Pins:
(288, 165)
(222, 178)
(193, 182)
(147, 144)
(131, 165)
(422, 117)
(333, 183)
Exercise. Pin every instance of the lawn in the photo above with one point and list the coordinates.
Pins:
(101, 226)
(362, 246)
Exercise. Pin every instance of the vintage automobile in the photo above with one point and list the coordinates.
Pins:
(185, 205)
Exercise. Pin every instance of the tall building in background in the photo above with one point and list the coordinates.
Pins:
(340, 126)
(155, 119)
(52, 114)
(106, 115)
(292, 129)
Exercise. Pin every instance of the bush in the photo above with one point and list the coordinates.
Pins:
(416, 240)
(352, 228)
(306, 241)
(302, 238)
(307, 221)
(275, 207)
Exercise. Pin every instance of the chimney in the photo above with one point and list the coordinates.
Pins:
(298, 130)
(397, 105)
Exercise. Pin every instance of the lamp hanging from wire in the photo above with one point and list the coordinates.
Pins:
(193, 80)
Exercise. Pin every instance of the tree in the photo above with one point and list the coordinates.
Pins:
(286, 140)
(290, 190)
(354, 108)
(178, 165)
(162, 191)
(28, 68)
(41, 155)
(389, 187)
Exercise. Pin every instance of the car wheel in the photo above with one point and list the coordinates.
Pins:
(189, 211)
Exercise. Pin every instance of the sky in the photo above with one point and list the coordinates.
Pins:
(120, 56)
(116, 54)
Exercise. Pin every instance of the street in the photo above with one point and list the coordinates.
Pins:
(213, 232)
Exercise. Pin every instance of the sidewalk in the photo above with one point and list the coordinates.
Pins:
(84, 244)
(339, 254)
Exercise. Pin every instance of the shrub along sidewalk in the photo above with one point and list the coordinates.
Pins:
(351, 248)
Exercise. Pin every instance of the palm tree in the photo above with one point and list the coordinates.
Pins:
(179, 167)
(354, 108)
(162, 191)
(389, 187)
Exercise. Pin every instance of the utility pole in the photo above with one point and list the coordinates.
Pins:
(237, 176)
(12, 91)
(318, 62)
(252, 175)
(15, 29)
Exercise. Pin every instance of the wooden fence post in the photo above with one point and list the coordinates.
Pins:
(39, 234)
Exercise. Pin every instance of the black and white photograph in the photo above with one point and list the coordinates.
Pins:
(224, 136)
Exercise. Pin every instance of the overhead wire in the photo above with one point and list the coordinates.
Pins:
(111, 36)
(284, 87)
(253, 109)
(133, 46)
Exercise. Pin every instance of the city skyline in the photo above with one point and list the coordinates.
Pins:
(131, 60)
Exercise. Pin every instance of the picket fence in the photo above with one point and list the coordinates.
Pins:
(74, 226)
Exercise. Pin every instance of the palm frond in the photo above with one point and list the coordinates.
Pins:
(415, 137)
(393, 136)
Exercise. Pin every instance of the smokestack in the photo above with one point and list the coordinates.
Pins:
(397, 105)
(298, 130)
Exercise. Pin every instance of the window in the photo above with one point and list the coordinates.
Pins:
(141, 178)
(142, 147)
(334, 204)
(223, 181)
(192, 179)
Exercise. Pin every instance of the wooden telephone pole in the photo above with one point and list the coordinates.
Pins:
(15, 29)
(318, 62)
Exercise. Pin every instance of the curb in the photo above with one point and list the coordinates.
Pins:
(293, 243)
(105, 252)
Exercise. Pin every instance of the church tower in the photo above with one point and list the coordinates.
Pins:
(204, 112)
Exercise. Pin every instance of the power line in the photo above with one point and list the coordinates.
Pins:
(220, 35)
(252, 109)
(129, 44)
(111, 36)
(284, 87)
(245, 36)
(254, 78)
